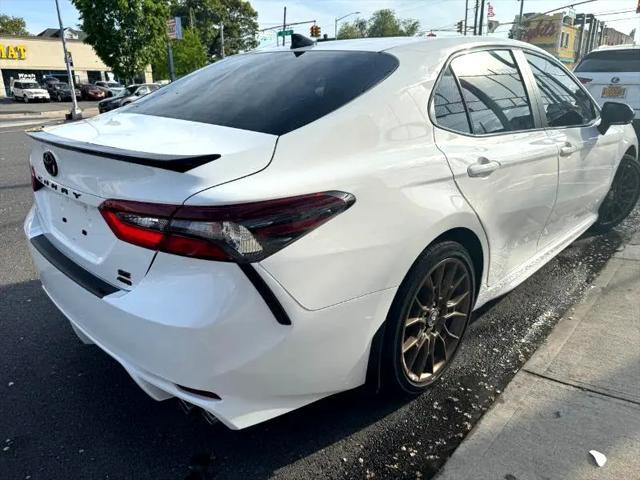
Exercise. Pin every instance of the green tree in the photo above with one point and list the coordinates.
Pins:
(126, 34)
(12, 25)
(355, 29)
(383, 23)
(188, 55)
(239, 18)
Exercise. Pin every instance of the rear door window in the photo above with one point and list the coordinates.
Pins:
(609, 61)
(565, 101)
(493, 91)
(269, 92)
(448, 105)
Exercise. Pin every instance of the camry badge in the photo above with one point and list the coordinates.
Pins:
(50, 163)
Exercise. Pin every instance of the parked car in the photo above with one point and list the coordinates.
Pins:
(130, 94)
(92, 92)
(613, 73)
(48, 80)
(113, 88)
(60, 91)
(280, 226)
(28, 91)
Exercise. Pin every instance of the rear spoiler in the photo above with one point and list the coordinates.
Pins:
(175, 163)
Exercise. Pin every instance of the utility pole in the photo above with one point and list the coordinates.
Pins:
(75, 112)
(475, 18)
(191, 16)
(466, 11)
(581, 18)
(519, 25)
(284, 27)
(222, 40)
(172, 69)
(481, 17)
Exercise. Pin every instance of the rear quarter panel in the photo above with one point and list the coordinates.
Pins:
(380, 148)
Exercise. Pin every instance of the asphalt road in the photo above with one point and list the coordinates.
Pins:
(69, 411)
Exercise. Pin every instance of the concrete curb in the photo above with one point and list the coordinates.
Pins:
(87, 112)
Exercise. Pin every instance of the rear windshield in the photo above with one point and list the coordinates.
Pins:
(611, 61)
(274, 92)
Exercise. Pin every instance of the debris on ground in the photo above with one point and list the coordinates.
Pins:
(599, 458)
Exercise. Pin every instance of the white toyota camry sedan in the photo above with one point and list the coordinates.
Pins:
(286, 224)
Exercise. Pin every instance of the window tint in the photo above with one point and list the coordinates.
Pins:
(274, 92)
(493, 91)
(448, 105)
(611, 61)
(565, 103)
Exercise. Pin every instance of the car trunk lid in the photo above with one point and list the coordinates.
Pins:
(613, 87)
(130, 157)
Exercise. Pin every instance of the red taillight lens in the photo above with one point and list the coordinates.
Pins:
(35, 183)
(247, 232)
(584, 80)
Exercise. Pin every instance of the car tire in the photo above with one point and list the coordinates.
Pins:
(622, 197)
(25, 99)
(428, 318)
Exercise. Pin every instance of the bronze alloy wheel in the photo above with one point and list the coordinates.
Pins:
(436, 320)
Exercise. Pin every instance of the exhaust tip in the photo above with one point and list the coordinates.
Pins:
(186, 407)
(209, 417)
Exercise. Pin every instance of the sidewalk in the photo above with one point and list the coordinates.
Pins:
(11, 110)
(49, 114)
(580, 391)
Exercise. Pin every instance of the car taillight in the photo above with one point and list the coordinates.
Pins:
(584, 80)
(247, 232)
(35, 183)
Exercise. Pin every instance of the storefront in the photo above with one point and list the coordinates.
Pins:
(33, 58)
(554, 33)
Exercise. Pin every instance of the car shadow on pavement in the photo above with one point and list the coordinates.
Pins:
(73, 401)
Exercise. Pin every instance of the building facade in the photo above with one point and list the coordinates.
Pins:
(554, 33)
(34, 57)
(568, 36)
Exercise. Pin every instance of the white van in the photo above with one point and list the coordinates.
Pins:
(28, 91)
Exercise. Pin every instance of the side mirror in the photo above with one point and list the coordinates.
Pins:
(614, 113)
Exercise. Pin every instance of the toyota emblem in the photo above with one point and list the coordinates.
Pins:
(50, 163)
(615, 79)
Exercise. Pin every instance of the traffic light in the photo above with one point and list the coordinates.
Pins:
(459, 26)
(315, 30)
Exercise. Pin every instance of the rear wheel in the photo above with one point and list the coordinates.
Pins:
(622, 197)
(429, 317)
(25, 99)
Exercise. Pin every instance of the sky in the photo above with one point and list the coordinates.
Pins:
(433, 14)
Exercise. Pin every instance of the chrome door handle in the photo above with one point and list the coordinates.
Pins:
(483, 168)
(567, 149)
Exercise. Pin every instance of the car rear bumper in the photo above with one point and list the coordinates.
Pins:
(203, 325)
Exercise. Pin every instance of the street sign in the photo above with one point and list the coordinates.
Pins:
(284, 33)
(174, 28)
